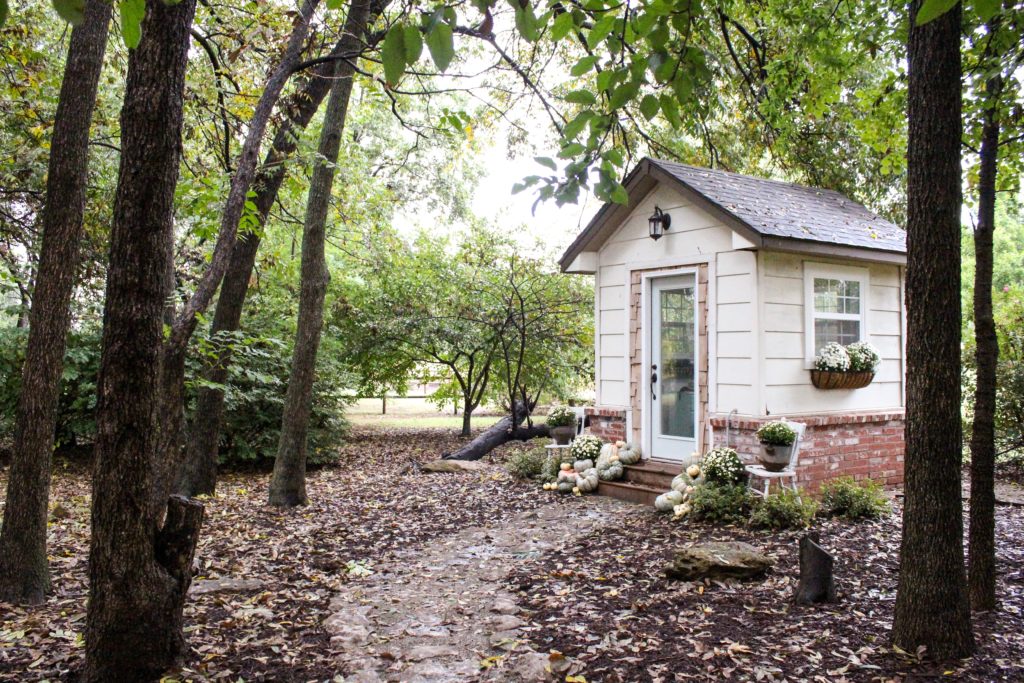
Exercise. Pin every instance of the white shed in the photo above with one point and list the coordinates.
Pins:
(713, 327)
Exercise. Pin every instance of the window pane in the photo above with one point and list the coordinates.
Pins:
(843, 331)
(849, 298)
(836, 296)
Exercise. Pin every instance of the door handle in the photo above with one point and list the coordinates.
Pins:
(654, 380)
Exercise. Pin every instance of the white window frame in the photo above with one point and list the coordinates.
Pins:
(832, 272)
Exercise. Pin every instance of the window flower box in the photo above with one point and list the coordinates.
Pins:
(829, 379)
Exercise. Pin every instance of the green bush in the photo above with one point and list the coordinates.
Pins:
(783, 510)
(527, 463)
(719, 503)
(844, 497)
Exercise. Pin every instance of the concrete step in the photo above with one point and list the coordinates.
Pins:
(631, 493)
(653, 474)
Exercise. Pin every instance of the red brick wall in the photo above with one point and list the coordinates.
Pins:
(609, 424)
(861, 445)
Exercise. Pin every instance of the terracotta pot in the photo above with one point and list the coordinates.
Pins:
(562, 435)
(775, 458)
(826, 379)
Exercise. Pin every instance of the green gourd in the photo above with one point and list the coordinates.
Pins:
(582, 465)
(667, 501)
(566, 486)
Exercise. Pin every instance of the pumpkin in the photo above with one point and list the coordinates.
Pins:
(629, 454)
(565, 466)
(680, 482)
(583, 465)
(611, 473)
(693, 471)
(566, 486)
(667, 501)
(576, 491)
(567, 475)
(587, 481)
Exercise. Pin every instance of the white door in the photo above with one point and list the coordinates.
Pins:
(672, 375)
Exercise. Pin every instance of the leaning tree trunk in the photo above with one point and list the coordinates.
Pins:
(981, 535)
(139, 572)
(199, 471)
(931, 602)
(288, 484)
(504, 430)
(24, 572)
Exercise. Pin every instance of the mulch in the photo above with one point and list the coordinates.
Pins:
(607, 605)
(603, 602)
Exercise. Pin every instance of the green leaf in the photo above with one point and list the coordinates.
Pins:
(571, 150)
(623, 94)
(4, 11)
(602, 27)
(985, 9)
(671, 109)
(335, 4)
(132, 14)
(561, 26)
(413, 44)
(573, 128)
(546, 161)
(619, 195)
(649, 106)
(933, 9)
(526, 22)
(71, 11)
(583, 66)
(441, 45)
(392, 53)
(584, 97)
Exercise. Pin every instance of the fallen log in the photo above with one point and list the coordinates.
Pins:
(501, 432)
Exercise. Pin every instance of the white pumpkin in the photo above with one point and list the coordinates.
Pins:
(583, 465)
(693, 471)
(629, 454)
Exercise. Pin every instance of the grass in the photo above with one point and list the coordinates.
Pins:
(411, 413)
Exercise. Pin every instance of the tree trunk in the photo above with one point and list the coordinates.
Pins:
(504, 430)
(139, 573)
(981, 535)
(931, 603)
(24, 573)
(199, 472)
(288, 484)
(467, 416)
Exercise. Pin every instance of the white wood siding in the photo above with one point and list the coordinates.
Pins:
(737, 311)
(787, 387)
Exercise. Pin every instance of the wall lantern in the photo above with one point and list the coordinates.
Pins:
(658, 223)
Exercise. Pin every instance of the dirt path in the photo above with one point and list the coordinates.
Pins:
(438, 612)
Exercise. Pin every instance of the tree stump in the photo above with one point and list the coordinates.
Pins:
(816, 581)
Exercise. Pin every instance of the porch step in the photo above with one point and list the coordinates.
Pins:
(652, 474)
(631, 493)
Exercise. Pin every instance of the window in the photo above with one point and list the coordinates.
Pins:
(835, 305)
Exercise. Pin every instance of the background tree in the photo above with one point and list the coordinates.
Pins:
(931, 603)
(24, 570)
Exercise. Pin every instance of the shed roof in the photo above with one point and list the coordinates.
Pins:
(770, 213)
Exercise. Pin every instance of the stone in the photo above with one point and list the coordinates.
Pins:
(422, 652)
(719, 560)
(504, 606)
(530, 666)
(226, 585)
(455, 466)
(506, 622)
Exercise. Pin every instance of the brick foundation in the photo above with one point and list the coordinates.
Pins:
(860, 445)
(607, 423)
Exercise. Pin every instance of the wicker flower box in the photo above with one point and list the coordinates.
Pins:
(826, 379)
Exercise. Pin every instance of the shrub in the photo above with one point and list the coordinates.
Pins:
(776, 434)
(720, 503)
(586, 447)
(561, 416)
(832, 358)
(722, 465)
(527, 463)
(863, 357)
(844, 497)
(783, 510)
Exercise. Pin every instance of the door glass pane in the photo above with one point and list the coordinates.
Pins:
(677, 373)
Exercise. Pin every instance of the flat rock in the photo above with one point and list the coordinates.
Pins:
(530, 666)
(422, 652)
(506, 622)
(719, 560)
(455, 466)
(205, 586)
(504, 606)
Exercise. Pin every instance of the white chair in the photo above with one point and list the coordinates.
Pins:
(581, 413)
(789, 473)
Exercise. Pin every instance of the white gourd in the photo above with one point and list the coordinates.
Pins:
(680, 482)
(583, 465)
(629, 454)
(663, 504)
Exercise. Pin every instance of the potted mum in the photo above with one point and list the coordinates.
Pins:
(776, 445)
(722, 465)
(845, 367)
(562, 424)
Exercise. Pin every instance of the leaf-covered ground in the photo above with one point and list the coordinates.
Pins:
(604, 602)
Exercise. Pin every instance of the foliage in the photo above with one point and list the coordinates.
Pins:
(845, 497)
(864, 357)
(561, 416)
(719, 502)
(785, 509)
(776, 434)
(832, 358)
(528, 463)
(722, 465)
(586, 447)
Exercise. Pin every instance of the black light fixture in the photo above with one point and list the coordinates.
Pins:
(658, 223)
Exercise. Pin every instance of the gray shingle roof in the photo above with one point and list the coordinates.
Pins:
(786, 210)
